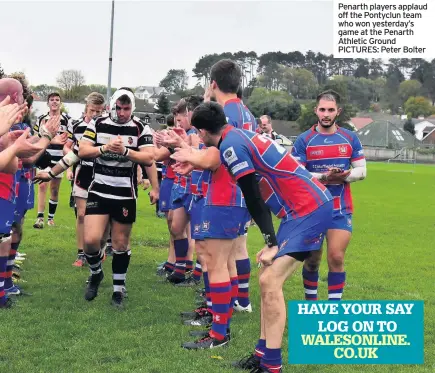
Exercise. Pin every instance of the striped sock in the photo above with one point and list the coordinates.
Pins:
(52, 206)
(94, 261)
(197, 272)
(207, 291)
(189, 265)
(169, 267)
(10, 265)
(3, 264)
(234, 293)
(272, 360)
(311, 282)
(220, 297)
(243, 273)
(120, 262)
(259, 349)
(336, 282)
(181, 247)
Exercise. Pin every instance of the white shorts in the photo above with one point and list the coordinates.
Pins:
(79, 192)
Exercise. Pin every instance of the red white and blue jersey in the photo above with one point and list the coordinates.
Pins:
(197, 176)
(318, 151)
(290, 191)
(222, 189)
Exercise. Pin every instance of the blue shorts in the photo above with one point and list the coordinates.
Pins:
(22, 201)
(342, 222)
(180, 198)
(223, 222)
(165, 200)
(7, 209)
(304, 234)
(195, 213)
(31, 199)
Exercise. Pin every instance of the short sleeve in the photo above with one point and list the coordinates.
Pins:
(91, 133)
(145, 138)
(236, 158)
(299, 151)
(357, 150)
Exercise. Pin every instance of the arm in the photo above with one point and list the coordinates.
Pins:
(257, 207)
(207, 159)
(358, 172)
(87, 148)
(8, 161)
(145, 156)
(161, 154)
(151, 173)
(43, 142)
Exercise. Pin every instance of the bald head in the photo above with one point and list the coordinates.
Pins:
(12, 88)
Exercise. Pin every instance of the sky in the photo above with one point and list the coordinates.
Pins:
(151, 37)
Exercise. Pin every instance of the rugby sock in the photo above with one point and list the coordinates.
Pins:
(207, 291)
(10, 265)
(181, 247)
(3, 264)
(169, 267)
(272, 360)
(40, 215)
(197, 272)
(220, 296)
(336, 282)
(94, 260)
(52, 206)
(109, 243)
(243, 274)
(80, 252)
(234, 293)
(120, 262)
(259, 349)
(311, 282)
(189, 265)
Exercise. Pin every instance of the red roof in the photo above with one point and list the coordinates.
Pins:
(360, 122)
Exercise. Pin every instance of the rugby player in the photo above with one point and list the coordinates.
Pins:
(118, 142)
(83, 174)
(55, 149)
(271, 180)
(335, 157)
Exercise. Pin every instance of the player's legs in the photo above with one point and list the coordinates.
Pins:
(95, 224)
(81, 210)
(54, 198)
(337, 241)
(121, 259)
(179, 223)
(243, 265)
(310, 275)
(42, 194)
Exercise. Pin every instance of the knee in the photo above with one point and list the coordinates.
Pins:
(81, 217)
(54, 192)
(119, 244)
(91, 243)
(268, 283)
(335, 257)
(177, 231)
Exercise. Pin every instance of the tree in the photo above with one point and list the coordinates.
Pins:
(300, 83)
(2, 73)
(394, 78)
(175, 81)
(416, 106)
(274, 103)
(43, 90)
(409, 88)
(409, 126)
(294, 111)
(70, 81)
(164, 106)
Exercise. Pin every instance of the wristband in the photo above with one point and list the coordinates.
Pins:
(47, 137)
(171, 150)
(51, 175)
(127, 150)
(101, 148)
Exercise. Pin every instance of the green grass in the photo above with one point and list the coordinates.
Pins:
(56, 330)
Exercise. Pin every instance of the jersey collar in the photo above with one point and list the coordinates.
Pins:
(227, 129)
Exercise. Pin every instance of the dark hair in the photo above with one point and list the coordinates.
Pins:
(170, 122)
(209, 116)
(124, 99)
(227, 75)
(29, 101)
(188, 103)
(127, 89)
(329, 95)
(53, 94)
(240, 92)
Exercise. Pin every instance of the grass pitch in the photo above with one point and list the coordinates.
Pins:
(391, 256)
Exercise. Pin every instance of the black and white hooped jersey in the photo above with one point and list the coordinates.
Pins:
(114, 174)
(56, 151)
(75, 132)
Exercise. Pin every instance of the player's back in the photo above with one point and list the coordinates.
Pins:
(239, 116)
(286, 186)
